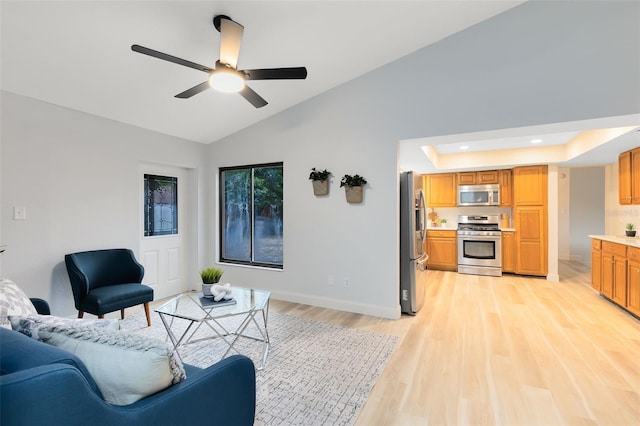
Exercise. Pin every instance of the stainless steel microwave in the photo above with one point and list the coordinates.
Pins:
(479, 195)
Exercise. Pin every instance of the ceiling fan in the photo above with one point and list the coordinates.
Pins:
(226, 77)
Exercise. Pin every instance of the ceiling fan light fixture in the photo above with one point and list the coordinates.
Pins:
(227, 81)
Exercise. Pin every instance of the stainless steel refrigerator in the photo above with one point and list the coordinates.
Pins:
(413, 260)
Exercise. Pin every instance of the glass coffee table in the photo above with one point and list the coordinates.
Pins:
(251, 307)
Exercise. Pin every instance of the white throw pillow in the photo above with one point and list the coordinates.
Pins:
(126, 367)
(13, 301)
(30, 325)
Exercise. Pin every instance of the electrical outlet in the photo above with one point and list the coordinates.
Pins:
(19, 213)
(347, 282)
(331, 281)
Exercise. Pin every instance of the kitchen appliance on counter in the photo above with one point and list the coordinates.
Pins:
(413, 260)
(479, 245)
(478, 195)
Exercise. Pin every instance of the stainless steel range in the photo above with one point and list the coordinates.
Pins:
(479, 245)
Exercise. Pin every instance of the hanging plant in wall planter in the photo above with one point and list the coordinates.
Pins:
(320, 181)
(353, 187)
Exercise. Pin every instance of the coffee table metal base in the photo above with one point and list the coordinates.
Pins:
(227, 334)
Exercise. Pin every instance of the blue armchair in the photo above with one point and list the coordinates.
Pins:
(42, 384)
(104, 281)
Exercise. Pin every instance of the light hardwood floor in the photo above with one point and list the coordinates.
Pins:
(504, 351)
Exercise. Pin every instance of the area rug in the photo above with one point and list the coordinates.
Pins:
(316, 373)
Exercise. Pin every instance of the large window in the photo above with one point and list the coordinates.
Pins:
(251, 215)
(160, 205)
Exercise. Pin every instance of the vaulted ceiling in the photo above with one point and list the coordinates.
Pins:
(77, 54)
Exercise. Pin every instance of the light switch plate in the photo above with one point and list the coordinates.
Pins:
(19, 213)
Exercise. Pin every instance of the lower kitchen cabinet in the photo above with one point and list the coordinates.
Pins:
(508, 251)
(531, 240)
(615, 273)
(442, 250)
(633, 280)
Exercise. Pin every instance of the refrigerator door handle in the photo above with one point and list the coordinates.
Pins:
(422, 215)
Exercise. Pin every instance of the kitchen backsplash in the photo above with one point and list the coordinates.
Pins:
(452, 213)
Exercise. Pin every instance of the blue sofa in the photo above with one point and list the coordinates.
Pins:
(45, 385)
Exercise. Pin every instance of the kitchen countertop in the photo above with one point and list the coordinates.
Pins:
(620, 239)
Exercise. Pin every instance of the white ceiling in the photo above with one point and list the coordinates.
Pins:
(583, 143)
(77, 53)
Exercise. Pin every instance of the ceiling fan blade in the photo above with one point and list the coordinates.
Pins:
(255, 99)
(194, 90)
(170, 58)
(230, 40)
(297, 73)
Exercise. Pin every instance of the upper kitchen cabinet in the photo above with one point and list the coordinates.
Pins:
(440, 189)
(505, 179)
(530, 186)
(629, 176)
(478, 178)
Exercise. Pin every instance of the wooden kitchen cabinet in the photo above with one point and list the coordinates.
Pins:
(614, 272)
(440, 190)
(619, 272)
(442, 250)
(629, 176)
(633, 280)
(478, 178)
(531, 240)
(596, 264)
(505, 179)
(508, 251)
(530, 186)
(624, 177)
(530, 219)
(635, 176)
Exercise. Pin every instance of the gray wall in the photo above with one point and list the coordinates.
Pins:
(587, 210)
(78, 175)
(543, 62)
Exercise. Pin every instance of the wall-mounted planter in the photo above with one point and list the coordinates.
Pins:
(353, 187)
(320, 187)
(353, 194)
(320, 181)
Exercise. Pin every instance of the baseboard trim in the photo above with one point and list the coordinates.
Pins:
(553, 278)
(337, 304)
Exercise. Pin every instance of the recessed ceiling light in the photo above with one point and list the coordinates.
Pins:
(463, 147)
(536, 140)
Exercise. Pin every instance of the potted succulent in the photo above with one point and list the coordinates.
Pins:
(443, 222)
(353, 187)
(320, 181)
(210, 276)
(631, 230)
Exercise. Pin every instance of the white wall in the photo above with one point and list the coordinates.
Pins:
(543, 62)
(587, 210)
(78, 177)
(564, 212)
(539, 63)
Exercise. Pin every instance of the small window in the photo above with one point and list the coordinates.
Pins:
(160, 205)
(251, 215)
